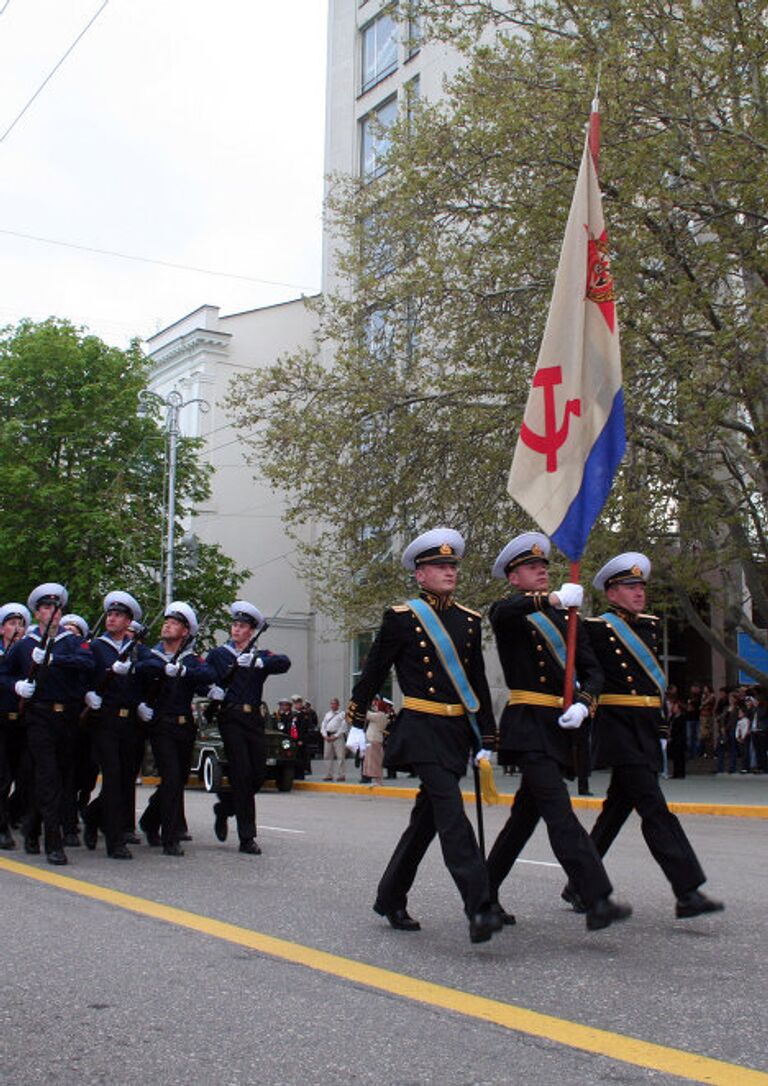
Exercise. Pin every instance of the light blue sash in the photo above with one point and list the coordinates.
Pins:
(551, 634)
(634, 644)
(446, 650)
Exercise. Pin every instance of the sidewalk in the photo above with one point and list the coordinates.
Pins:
(735, 795)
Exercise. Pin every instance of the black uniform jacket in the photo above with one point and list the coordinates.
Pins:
(528, 664)
(402, 642)
(626, 735)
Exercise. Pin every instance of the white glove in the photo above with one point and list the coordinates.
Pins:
(482, 754)
(93, 700)
(38, 654)
(574, 716)
(245, 659)
(145, 713)
(122, 667)
(24, 688)
(216, 693)
(570, 595)
(174, 671)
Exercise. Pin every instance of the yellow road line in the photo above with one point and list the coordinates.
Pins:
(616, 1046)
(727, 810)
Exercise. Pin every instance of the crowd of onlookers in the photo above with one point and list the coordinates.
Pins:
(728, 728)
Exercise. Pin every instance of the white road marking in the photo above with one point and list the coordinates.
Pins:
(278, 829)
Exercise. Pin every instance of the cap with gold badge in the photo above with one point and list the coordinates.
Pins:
(628, 568)
(438, 546)
(528, 547)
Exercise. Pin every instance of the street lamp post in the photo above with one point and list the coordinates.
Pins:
(174, 402)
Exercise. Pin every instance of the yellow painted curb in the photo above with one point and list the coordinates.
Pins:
(601, 1042)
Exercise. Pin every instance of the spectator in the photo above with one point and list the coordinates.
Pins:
(377, 720)
(759, 730)
(726, 744)
(676, 747)
(334, 732)
(707, 721)
(693, 707)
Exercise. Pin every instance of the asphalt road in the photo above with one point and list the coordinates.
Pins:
(103, 992)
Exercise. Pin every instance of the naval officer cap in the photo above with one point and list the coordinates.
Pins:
(528, 547)
(182, 612)
(437, 547)
(50, 592)
(14, 610)
(628, 568)
(243, 611)
(78, 621)
(124, 603)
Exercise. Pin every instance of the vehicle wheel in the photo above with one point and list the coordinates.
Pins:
(284, 778)
(211, 773)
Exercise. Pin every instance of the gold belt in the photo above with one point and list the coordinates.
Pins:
(436, 708)
(649, 701)
(534, 697)
(242, 708)
(12, 716)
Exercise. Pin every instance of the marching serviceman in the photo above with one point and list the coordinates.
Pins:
(112, 702)
(627, 728)
(82, 773)
(435, 645)
(47, 668)
(171, 675)
(240, 671)
(14, 619)
(535, 731)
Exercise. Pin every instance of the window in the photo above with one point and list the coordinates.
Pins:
(413, 30)
(374, 139)
(379, 41)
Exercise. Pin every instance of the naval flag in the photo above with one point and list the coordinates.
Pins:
(572, 435)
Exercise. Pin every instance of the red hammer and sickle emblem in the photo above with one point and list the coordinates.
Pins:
(554, 436)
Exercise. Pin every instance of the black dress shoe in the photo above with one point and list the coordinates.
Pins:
(131, 838)
(173, 850)
(696, 904)
(398, 918)
(90, 836)
(120, 853)
(220, 827)
(573, 898)
(72, 840)
(57, 856)
(506, 918)
(185, 836)
(484, 924)
(6, 840)
(603, 912)
(250, 847)
(32, 846)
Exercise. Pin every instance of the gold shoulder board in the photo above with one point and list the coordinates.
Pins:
(399, 608)
(469, 610)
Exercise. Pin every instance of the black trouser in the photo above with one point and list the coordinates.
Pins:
(543, 794)
(172, 744)
(12, 774)
(80, 768)
(114, 743)
(636, 787)
(439, 808)
(246, 750)
(48, 735)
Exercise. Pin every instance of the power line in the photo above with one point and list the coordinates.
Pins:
(53, 70)
(152, 260)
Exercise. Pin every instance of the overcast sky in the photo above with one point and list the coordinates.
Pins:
(177, 130)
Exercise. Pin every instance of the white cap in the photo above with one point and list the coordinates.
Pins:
(118, 600)
(8, 610)
(243, 611)
(49, 592)
(438, 546)
(528, 547)
(632, 567)
(75, 620)
(184, 613)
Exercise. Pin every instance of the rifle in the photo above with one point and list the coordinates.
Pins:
(212, 708)
(47, 644)
(187, 641)
(107, 678)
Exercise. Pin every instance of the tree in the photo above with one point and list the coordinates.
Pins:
(449, 259)
(83, 476)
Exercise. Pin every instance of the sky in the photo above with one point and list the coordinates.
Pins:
(178, 131)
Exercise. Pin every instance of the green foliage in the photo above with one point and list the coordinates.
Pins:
(450, 257)
(83, 479)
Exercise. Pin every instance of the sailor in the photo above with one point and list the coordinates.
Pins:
(627, 728)
(171, 675)
(14, 619)
(47, 669)
(240, 672)
(82, 772)
(535, 729)
(435, 646)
